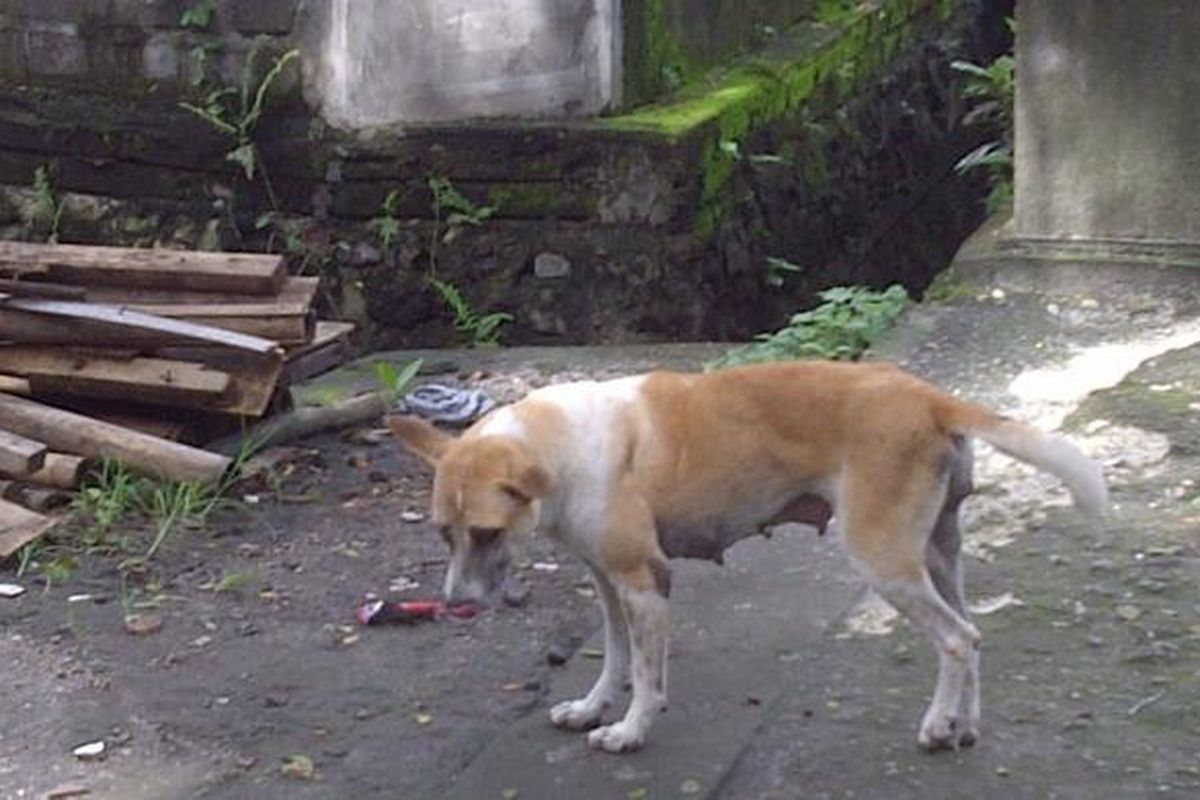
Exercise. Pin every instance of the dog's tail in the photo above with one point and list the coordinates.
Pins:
(1045, 451)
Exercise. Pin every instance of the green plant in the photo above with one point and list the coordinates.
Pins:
(199, 16)
(392, 381)
(842, 328)
(171, 503)
(992, 89)
(105, 498)
(387, 223)
(47, 208)
(236, 111)
(777, 271)
(452, 214)
(484, 329)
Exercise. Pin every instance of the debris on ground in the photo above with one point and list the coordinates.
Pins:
(142, 355)
(379, 612)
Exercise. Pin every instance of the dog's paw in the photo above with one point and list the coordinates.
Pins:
(946, 733)
(619, 737)
(577, 715)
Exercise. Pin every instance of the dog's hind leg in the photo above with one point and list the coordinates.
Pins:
(587, 711)
(890, 513)
(644, 604)
(945, 569)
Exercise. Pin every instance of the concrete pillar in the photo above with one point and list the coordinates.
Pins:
(1108, 121)
(374, 62)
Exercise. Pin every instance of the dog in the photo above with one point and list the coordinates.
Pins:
(630, 472)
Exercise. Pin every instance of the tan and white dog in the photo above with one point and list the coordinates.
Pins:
(630, 472)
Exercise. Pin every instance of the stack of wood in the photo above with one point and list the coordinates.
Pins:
(141, 355)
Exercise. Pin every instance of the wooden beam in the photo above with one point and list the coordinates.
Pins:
(298, 290)
(75, 433)
(55, 291)
(30, 320)
(148, 268)
(57, 370)
(58, 471)
(331, 346)
(19, 526)
(20, 456)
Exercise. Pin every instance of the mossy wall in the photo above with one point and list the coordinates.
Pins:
(670, 42)
(835, 152)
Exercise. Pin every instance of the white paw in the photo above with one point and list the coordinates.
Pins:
(577, 715)
(945, 732)
(619, 737)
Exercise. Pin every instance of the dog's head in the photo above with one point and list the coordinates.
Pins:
(486, 494)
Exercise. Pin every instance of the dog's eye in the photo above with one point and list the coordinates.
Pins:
(485, 536)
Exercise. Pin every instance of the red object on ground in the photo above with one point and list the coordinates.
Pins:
(379, 612)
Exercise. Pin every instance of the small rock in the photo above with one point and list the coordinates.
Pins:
(11, 590)
(202, 641)
(300, 767)
(533, 685)
(412, 516)
(557, 655)
(545, 566)
(92, 751)
(142, 624)
(1003, 772)
(1128, 613)
(690, 786)
(516, 593)
(551, 265)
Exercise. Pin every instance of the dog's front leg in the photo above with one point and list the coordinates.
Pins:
(646, 617)
(587, 711)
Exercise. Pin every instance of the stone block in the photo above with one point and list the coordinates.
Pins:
(12, 55)
(63, 11)
(56, 51)
(161, 58)
(265, 16)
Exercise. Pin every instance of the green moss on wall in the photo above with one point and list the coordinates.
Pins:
(824, 62)
(654, 60)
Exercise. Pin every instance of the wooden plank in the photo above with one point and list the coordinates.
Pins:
(59, 471)
(286, 326)
(31, 320)
(14, 385)
(56, 291)
(85, 436)
(20, 526)
(150, 268)
(20, 456)
(57, 370)
(298, 290)
(331, 346)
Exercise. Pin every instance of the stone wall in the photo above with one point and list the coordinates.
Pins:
(133, 46)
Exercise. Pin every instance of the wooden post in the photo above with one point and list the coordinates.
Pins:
(75, 433)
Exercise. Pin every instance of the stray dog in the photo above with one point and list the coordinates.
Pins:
(630, 472)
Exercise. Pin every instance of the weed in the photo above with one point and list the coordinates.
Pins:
(387, 223)
(236, 111)
(110, 493)
(841, 328)
(392, 381)
(484, 329)
(777, 271)
(199, 16)
(452, 214)
(47, 208)
(992, 88)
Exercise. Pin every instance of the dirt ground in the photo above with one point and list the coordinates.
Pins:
(259, 658)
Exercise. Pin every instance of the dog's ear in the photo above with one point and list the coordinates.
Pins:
(528, 481)
(419, 437)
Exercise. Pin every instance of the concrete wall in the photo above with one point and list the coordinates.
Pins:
(375, 62)
(1107, 120)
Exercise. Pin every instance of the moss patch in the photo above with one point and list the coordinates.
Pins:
(818, 64)
(1162, 395)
